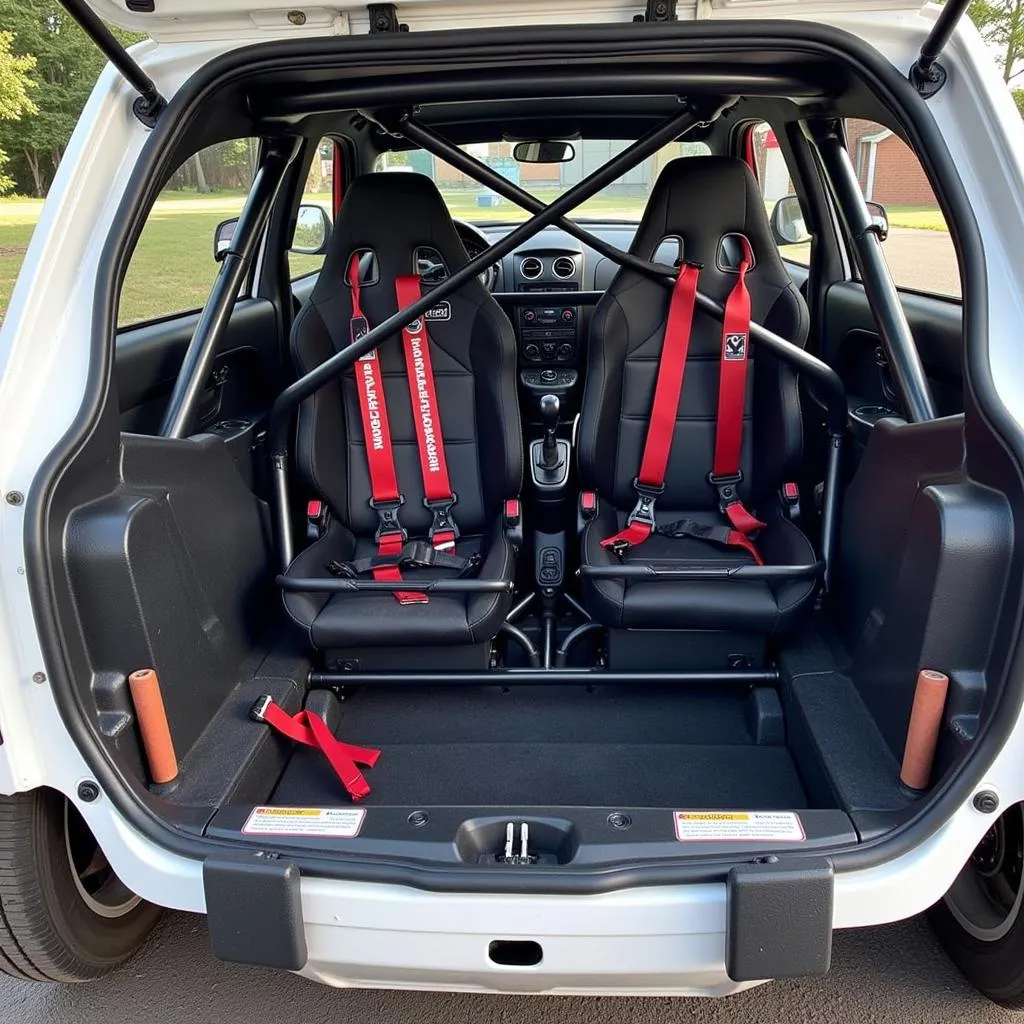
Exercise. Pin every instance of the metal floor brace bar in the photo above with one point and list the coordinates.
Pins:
(546, 677)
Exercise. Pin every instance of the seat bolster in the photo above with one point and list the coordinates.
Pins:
(338, 544)
(603, 598)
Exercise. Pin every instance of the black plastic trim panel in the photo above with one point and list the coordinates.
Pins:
(563, 45)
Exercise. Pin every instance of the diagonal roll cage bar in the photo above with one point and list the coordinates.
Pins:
(691, 115)
(832, 391)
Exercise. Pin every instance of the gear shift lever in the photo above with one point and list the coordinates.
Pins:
(549, 406)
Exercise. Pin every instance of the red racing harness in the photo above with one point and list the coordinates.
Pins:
(650, 481)
(386, 499)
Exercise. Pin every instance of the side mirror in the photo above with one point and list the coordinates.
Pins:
(312, 231)
(222, 236)
(547, 152)
(787, 222)
(879, 220)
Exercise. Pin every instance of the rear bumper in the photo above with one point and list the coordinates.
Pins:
(657, 941)
(705, 939)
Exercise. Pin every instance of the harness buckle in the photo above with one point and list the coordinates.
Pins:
(727, 487)
(441, 509)
(387, 516)
(258, 712)
(643, 512)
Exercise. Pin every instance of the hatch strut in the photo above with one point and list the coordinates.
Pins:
(149, 103)
(927, 75)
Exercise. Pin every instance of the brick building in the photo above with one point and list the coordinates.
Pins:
(888, 171)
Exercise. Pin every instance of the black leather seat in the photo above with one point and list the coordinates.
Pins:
(700, 200)
(403, 220)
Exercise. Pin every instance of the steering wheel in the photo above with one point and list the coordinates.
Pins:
(474, 241)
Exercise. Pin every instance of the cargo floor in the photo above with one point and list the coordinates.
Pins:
(548, 746)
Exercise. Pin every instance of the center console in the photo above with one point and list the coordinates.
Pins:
(548, 334)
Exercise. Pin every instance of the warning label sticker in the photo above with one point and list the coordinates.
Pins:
(738, 826)
(337, 822)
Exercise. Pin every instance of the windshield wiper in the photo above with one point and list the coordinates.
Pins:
(149, 103)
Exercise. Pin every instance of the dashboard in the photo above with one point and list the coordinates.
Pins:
(549, 336)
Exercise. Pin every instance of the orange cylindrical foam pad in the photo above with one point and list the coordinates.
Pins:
(923, 731)
(156, 733)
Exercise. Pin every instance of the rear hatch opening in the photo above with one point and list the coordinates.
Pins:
(645, 749)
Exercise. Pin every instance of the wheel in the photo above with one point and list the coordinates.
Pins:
(979, 921)
(64, 914)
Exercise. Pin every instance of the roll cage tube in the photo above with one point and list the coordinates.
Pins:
(432, 142)
(195, 368)
(883, 298)
(832, 391)
(277, 431)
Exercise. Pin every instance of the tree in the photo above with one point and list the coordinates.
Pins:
(1018, 96)
(15, 102)
(1001, 22)
(67, 64)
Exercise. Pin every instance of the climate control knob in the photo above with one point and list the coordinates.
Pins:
(532, 352)
(565, 351)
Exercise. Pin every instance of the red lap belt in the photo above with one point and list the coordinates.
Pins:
(312, 731)
(419, 371)
(380, 458)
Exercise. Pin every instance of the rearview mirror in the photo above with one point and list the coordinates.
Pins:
(548, 152)
(222, 236)
(312, 231)
(879, 220)
(787, 222)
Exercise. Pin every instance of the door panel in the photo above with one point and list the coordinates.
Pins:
(851, 345)
(148, 357)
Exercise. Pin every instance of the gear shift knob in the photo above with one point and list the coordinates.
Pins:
(549, 407)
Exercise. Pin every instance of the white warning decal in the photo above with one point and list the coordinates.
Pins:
(738, 826)
(336, 822)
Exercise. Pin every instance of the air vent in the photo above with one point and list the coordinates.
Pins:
(564, 266)
(531, 267)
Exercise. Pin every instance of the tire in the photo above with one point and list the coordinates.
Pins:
(64, 914)
(980, 921)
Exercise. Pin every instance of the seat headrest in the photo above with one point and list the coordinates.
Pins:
(391, 214)
(703, 200)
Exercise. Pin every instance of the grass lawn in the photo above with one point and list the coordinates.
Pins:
(173, 266)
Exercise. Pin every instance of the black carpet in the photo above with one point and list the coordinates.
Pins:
(546, 747)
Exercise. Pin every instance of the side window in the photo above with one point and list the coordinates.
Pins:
(769, 167)
(919, 249)
(173, 267)
(312, 228)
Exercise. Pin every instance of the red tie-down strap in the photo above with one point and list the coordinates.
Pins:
(650, 481)
(732, 390)
(426, 414)
(311, 730)
(386, 498)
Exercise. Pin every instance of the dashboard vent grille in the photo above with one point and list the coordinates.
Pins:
(564, 266)
(531, 267)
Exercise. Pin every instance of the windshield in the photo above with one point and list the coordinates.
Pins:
(467, 200)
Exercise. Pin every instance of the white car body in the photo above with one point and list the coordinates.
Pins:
(650, 940)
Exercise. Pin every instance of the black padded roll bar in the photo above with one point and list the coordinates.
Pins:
(213, 321)
(891, 321)
(292, 396)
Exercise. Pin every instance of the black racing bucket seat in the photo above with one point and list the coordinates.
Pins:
(712, 208)
(392, 226)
